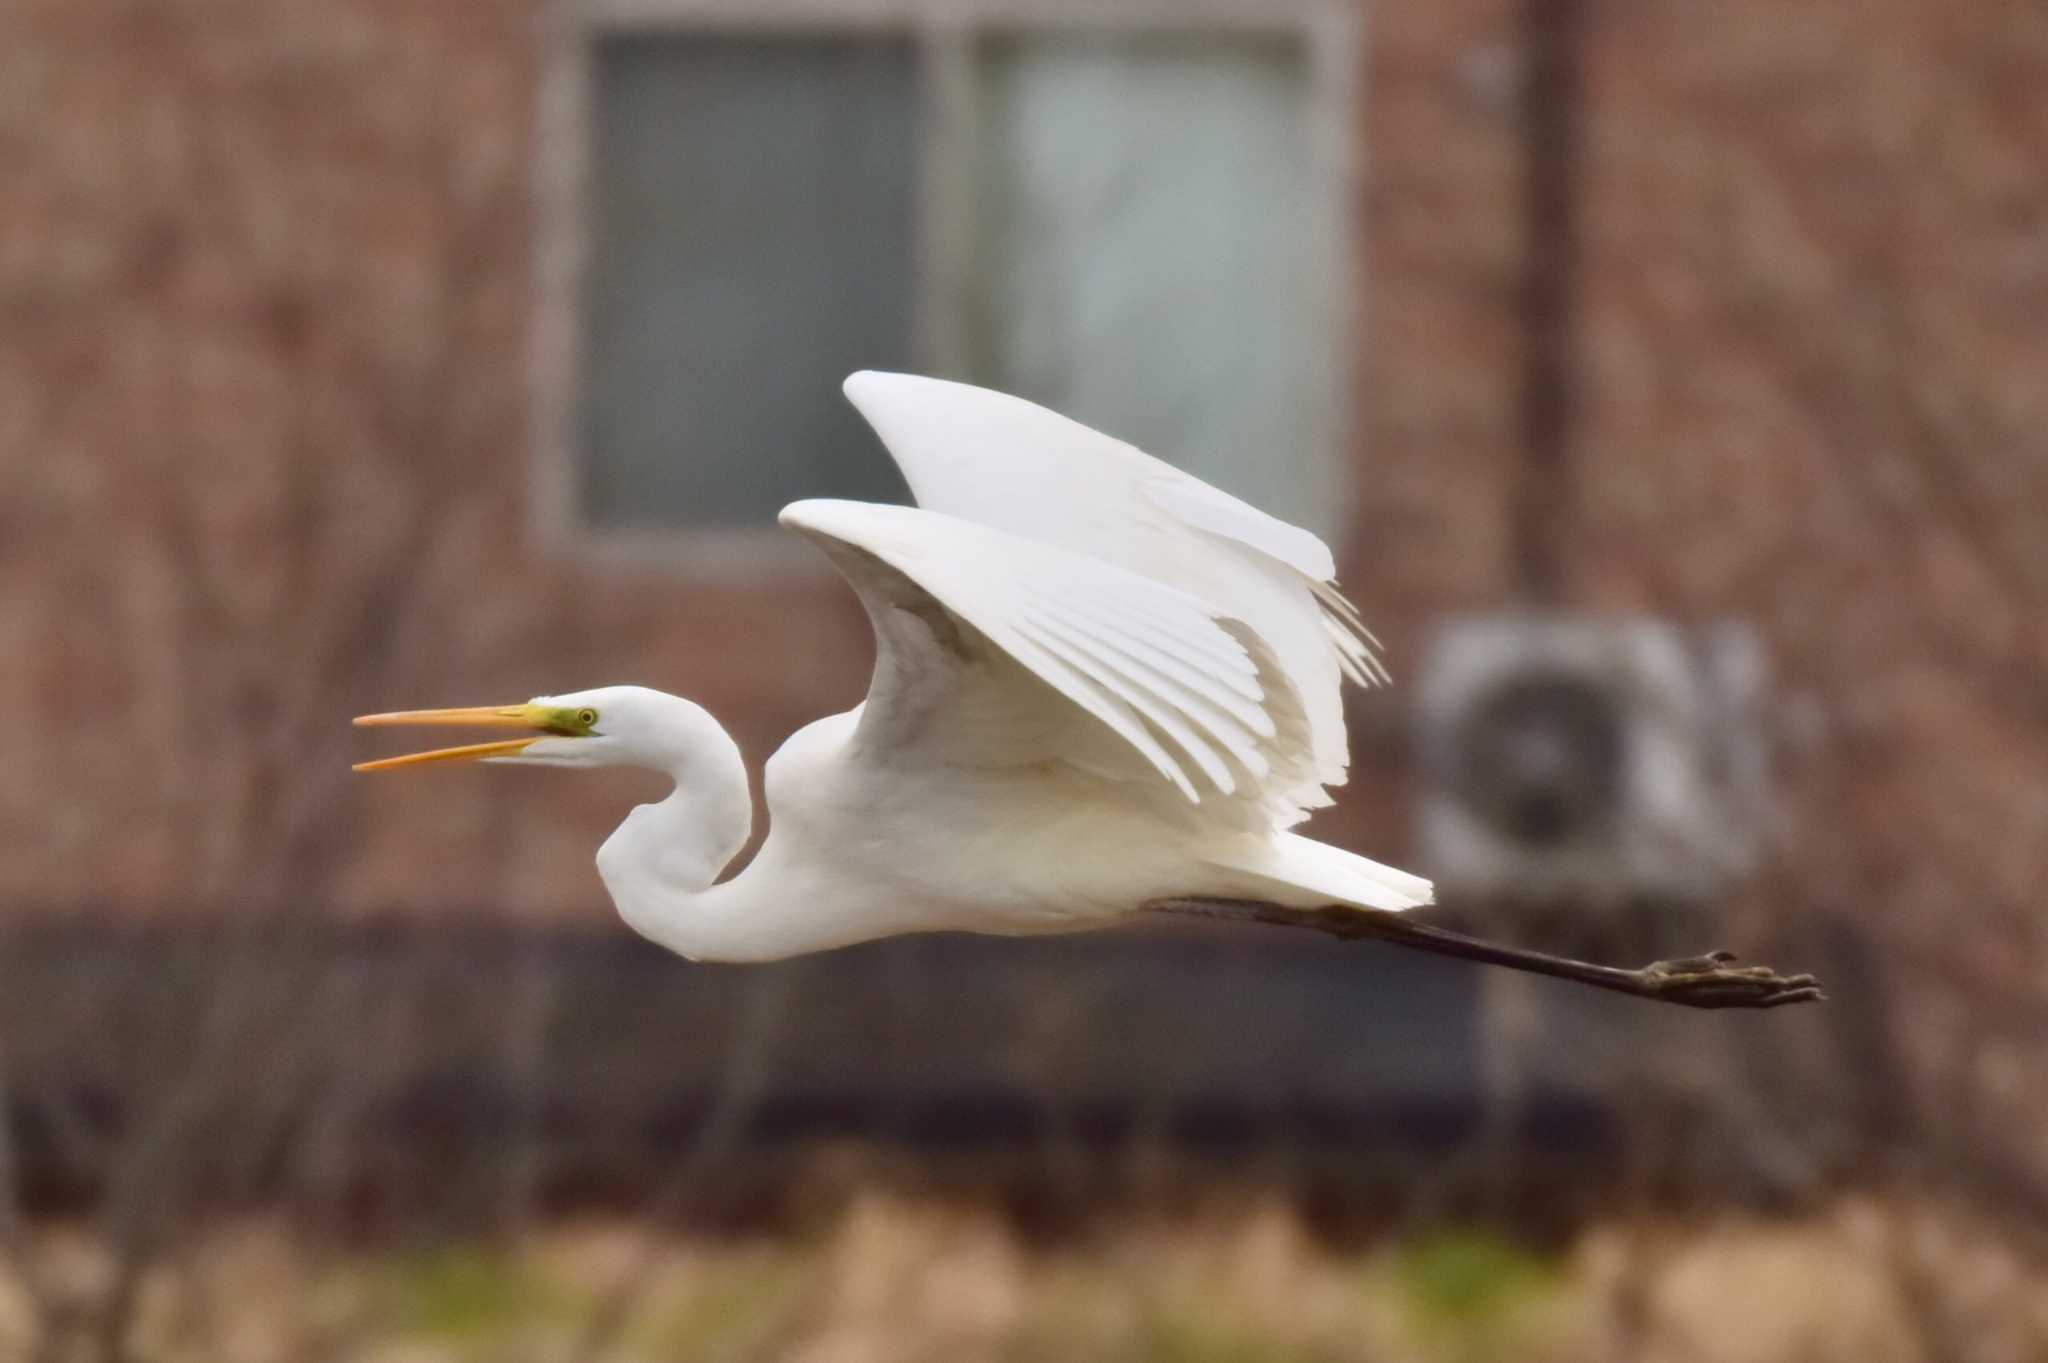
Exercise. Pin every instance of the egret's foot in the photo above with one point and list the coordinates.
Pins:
(1715, 981)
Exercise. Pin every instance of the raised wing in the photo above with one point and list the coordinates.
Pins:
(1004, 462)
(993, 649)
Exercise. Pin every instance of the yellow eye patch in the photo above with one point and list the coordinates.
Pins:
(570, 722)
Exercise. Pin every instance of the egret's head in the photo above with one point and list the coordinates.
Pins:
(611, 726)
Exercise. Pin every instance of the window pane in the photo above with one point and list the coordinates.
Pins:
(1148, 259)
(752, 202)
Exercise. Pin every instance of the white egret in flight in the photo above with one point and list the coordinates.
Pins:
(1101, 687)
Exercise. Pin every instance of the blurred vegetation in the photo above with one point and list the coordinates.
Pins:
(471, 1295)
(926, 1280)
(1468, 1290)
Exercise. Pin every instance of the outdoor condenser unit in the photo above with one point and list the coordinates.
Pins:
(1591, 760)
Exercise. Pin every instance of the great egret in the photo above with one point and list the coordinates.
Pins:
(1101, 686)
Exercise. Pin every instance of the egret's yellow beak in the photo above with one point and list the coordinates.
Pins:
(545, 720)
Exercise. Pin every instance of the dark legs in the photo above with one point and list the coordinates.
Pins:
(1709, 981)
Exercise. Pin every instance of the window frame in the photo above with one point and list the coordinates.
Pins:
(943, 33)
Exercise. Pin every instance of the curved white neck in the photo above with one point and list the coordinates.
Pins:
(660, 864)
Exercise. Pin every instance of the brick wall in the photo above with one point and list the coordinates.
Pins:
(1815, 335)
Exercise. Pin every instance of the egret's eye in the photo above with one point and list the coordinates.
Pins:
(586, 717)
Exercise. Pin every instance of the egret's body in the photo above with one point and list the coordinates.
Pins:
(1101, 686)
(859, 850)
(1099, 683)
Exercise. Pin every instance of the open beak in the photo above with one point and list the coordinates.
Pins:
(531, 717)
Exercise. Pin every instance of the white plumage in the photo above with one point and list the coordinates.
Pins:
(1004, 462)
(1099, 682)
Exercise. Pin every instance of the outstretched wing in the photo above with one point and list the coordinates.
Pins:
(1004, 462)
(993, 650)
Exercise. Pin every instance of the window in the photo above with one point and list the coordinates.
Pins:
(752, 232)
(1134, 217)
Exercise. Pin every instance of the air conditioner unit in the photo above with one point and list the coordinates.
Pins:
(1588, 759)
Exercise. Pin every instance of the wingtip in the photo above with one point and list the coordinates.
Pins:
(813, 516)
(863, 386)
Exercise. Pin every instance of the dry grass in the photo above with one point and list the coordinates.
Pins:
(901, 1281)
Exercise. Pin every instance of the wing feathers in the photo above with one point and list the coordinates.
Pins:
(1135, 696)
(1216, 511)
(1229, 662)
(1008, 463)
(1358, 649)
(1107, 653)
(1072, 683)
(1239, 696)
(1182, 703)
(1199, 696)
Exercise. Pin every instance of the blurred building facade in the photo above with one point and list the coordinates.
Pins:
(349, 352)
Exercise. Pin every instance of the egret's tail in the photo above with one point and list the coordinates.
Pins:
(1303, 873)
